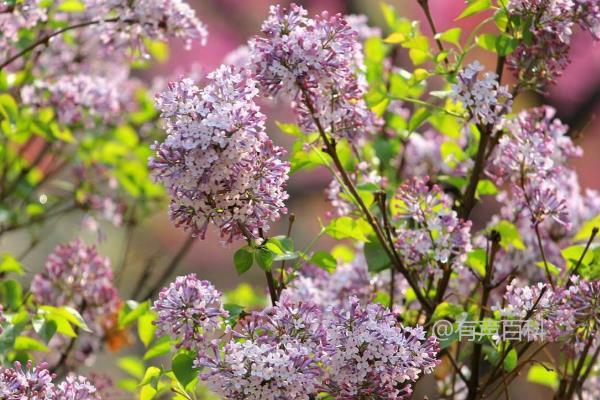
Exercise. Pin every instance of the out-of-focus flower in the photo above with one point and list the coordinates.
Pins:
(189, 309)
(332, 289)
(75, 275)
(35, 383)
(542, 59)
(531, 157)
(217, 162)
(76, 388)
(313, 61)
(360, 24)
(76, 98)
(485, 99)
(429, 230)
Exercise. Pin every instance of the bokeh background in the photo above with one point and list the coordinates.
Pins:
(230, 23)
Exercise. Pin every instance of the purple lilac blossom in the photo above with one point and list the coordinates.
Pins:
(429, 230)
(542, 59)
(35, 383)
(373, 357)
(314, 62)
(217, 162)
(274, 356)
(485, 99)
(189, 309)
(75, 275)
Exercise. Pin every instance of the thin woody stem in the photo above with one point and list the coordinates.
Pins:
(388, 247)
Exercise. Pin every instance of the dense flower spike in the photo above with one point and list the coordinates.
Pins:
(75, 275)
(30, 382)
(293, 351)
(430, 232)
(276, 358)
(372, 355)
(542, 59)
(76, 98)
(76, 388)
(313, 61)
(189, 309)
(35, 383)
(485, 99)
(555, 313)
(531, 157)
(217, 162)
(158, 20)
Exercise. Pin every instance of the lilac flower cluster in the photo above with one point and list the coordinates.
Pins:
(189, 309)
(217, 162)
(76, 98)
(555, 313)
(75, 275)
(296, 348)
(35, 383)
(429, 230)
(276, 356)
(542, 59)
(531, 157)
(313, 61)
(15, 16)
(485, 99)
(372, 355)
(120, 25)
(157, 20)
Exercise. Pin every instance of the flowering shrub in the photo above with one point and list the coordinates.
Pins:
(417, 290)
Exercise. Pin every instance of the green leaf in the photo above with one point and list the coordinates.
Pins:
(418, 118)
(8, 263)
(151, 377)
(510, 361)
(395, 38)
(290, 129)
(161, 347)
(572, 254)
(264, 258)
(487, 41)
(183, 368)
(71, 6)
(542, 376)
(68, 313)
(346, 227)
(475, 7)
(243, 260)
(324, 261)
(44, 328)
(509, 235)
(12, 293)
(476, 260)
(551, 267)
(133, 366)
(282, 247)
(132, 311)
(377, 258)
(446, 309)
(342, 253)
(146, 328)
(586, 230)
(25, 343)
(506, 44)
(485, 187)
(451, 36)
(9, 108)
